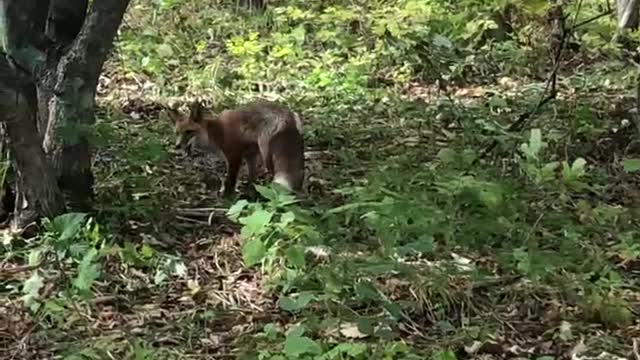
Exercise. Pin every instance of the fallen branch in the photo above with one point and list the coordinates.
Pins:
(195, 221)
(207, 210)
(7, 273)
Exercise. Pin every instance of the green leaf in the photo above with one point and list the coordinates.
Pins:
(536, 7)
(34, 257)
(447, 155)
(164, 50)
(578, 166)
(532, 149)
(159, 277)
(253, 252)
(366, 291)
(295, 257)
(535, 141)
(31, 290)
(291, 304)
(299, 34)
(88, 271)
(424, 244)
(442, 41)
(67, 226)
(267, 191)
(287, 218)
(146, 251)
(296, 331)
(234, 211)
(295, 346)
(256, 223)
(367, 325)
(444, 355)
(631, 165)
(272, 331)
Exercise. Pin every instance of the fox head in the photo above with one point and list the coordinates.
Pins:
(190, 129)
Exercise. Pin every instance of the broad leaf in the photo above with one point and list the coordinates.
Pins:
(67, 226)
(295, 257)
(295, 346)
(253, 252)
(256, 223)
(236, 209)
(291, 304)
(31, 290)
(88, 271)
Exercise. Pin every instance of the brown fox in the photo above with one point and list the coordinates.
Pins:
(256, 128)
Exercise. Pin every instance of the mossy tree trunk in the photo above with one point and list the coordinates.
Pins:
(57, 48)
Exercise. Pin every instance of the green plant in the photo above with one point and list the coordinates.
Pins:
(274, 228)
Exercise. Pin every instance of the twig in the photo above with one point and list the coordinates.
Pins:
(636, 348)
(592, 19)
(195, 221)
(19, 269)
(206, 209)
(210, 219)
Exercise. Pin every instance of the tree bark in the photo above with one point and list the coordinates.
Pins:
(64, 21)
(67, 97)
(54, 51)
(37, 190)
(627, 11)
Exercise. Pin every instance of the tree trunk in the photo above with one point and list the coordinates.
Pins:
(56, 49)
(24, 44)
(37, 190)
(63, 24)
(67, 97)
(7, 186)
(627, 11)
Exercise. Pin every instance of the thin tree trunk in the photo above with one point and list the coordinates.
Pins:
(627, 11)
(255, 5)
(7, 200)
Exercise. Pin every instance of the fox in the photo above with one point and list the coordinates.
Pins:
(256, 129)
